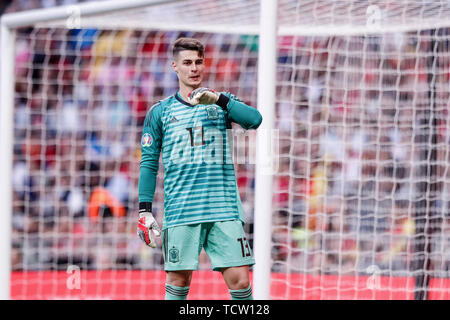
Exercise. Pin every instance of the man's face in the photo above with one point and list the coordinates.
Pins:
(189, 66)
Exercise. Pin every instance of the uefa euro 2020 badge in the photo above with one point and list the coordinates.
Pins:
(212, 113)
(146, 140)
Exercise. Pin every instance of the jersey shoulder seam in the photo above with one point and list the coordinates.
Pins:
(161, 104)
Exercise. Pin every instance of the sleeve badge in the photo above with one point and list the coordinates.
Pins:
(146, 140)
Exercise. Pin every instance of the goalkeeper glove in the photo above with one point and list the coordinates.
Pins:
(146, 223)
(208, 96)
(203, 96)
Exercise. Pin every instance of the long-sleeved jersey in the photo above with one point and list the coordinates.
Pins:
(199, 177)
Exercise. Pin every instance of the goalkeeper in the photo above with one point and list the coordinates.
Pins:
(202, 207)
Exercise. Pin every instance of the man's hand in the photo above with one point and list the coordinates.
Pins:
(203, 96)
(146, 223)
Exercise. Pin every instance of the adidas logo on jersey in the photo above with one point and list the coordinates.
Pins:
(173, 119)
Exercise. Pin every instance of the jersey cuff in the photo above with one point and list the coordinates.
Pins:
(223, 101)
(145, 206)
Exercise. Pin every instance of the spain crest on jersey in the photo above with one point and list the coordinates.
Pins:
(212, 113)
(146, 140)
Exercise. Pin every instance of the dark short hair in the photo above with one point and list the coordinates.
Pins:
(188, 44)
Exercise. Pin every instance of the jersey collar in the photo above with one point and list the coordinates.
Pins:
(178, 97)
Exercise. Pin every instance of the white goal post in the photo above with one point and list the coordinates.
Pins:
(6, 138)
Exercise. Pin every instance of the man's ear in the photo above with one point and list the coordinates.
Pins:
(174, 66)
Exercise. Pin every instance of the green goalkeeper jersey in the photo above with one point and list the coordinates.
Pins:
(199, 177)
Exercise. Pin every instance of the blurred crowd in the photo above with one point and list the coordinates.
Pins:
(364, 140)
(353, 115)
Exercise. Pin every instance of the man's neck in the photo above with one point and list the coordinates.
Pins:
(184, 91)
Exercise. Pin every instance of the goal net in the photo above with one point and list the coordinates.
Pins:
(361, 201)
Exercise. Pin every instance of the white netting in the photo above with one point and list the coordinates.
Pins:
(294, 17)
(361, 198)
